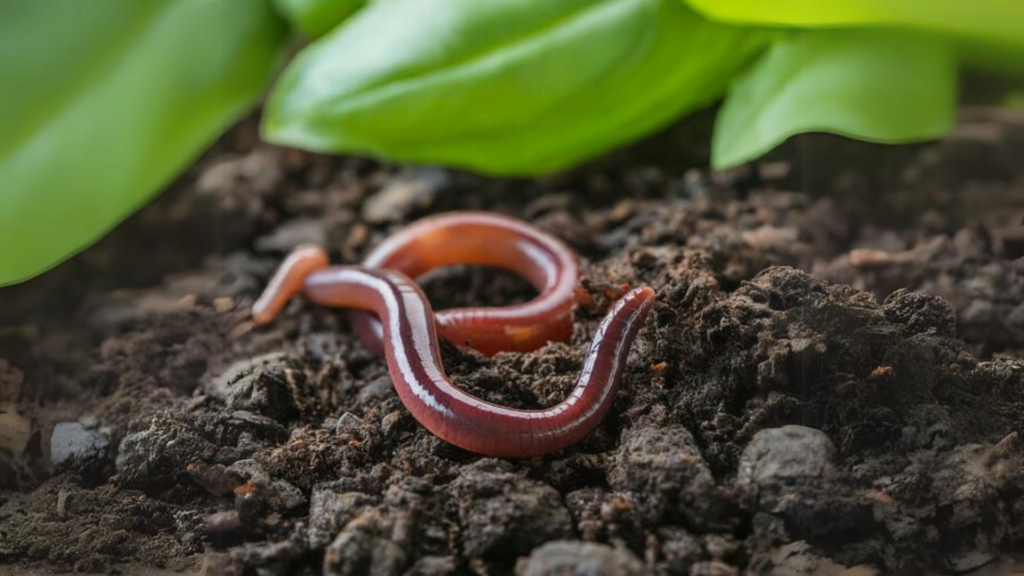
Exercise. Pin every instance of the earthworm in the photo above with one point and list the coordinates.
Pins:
(485, 240)
(412, 353)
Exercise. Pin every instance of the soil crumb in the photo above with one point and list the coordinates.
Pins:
(831, 382)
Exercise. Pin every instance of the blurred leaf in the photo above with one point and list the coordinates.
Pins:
(316, 17)
(1000, 59)
(105, 101)
(998, 21)
(503, 86)
(881, 86)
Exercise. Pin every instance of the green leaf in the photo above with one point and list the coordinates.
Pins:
(881, 86)
(105, 101)
(316, 17)
(999, 59)
(999, 21)
(503, 86)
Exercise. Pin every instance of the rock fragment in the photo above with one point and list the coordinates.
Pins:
(71, 441)
(153, 457)
(576, 557)
(264, 385)
(787, 455)
(920, 312)
(503, 513)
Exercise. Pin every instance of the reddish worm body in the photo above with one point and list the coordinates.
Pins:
(410, 344)
(485, 240)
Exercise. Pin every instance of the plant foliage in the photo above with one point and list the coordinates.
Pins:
(989, 21)
(882, 86)
(504, 86)
(105, 101)
(110, 104)
(314, 18)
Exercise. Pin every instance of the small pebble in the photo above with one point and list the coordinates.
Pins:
(223, 523)
(391, 423)
(776, 455)
(223, 304)
(575, 557)
(73, 441)
(348, 421)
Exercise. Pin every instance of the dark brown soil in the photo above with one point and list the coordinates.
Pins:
(833, 375)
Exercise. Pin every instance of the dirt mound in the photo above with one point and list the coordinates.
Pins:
(791, 404)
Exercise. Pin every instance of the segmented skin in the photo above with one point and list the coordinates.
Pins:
(408, 338)
(484, 239)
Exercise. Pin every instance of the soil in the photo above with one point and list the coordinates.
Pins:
(832, 381)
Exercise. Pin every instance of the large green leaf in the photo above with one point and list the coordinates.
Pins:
(105, 101)
(316, 17)
(1000, 21)
(881, 86)
(502, 86)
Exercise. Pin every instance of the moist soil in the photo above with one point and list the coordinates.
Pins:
(831, 381)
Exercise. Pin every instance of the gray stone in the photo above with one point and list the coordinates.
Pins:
(251, 470)
(221, 524)
(579, 558)
(392, 423)
(73, 441)
(154, 456)
(284, 496)
(785, 455)
(264, 385)
(348, 421)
